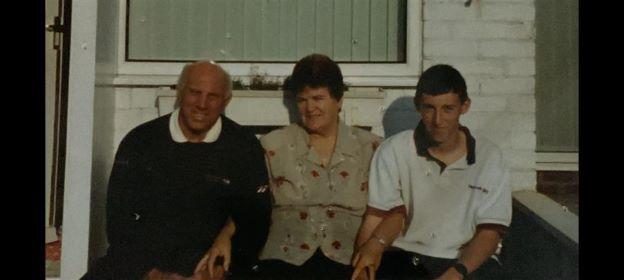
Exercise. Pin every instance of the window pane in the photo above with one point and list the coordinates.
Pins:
(556, 76)
(266, 30)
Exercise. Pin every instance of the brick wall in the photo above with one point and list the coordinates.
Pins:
(492, 43)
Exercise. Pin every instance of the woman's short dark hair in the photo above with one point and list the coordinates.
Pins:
(314, 71)
(441, 79)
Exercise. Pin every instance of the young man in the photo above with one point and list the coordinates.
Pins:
(185, 189)
(438, 194)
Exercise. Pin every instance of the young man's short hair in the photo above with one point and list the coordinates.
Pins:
(440, 79)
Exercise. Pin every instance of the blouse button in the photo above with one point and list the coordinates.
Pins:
(323, 227)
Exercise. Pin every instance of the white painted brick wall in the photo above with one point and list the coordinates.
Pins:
(521, 67)
(519, 158)
(507, 86)
(521, 103)
(450, 48)
(508, 11)
(122, 98)
(492, 43)
(494, 30)
(523, 179)
(470, 67)
(507, 48)
(442, 10)
(437, 31)
(487, 104)
(143, 98)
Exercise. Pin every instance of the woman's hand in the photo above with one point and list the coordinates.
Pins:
(367, 260)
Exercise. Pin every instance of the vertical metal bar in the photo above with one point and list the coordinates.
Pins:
(60, 117)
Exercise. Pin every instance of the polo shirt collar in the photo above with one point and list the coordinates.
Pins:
(178, 136)
(423, 142)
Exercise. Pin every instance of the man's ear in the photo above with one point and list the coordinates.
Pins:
(227, 100)
(466, 106)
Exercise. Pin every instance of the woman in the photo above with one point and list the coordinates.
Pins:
(319, 179)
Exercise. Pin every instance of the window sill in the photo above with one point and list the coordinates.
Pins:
(557, 161)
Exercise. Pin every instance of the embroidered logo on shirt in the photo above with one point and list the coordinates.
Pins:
(217, 179)
(262, 188)
(478, 188)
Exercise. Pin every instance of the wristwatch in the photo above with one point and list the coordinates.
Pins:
(461, 268)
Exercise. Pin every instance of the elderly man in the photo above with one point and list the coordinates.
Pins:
(449, 186)
(186, 189)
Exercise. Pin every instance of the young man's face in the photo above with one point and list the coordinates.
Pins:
(203, 99)
(440, 114)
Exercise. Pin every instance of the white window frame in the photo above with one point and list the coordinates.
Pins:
(557, 161)
(356, 74)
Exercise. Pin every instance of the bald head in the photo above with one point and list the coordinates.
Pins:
(201, 69)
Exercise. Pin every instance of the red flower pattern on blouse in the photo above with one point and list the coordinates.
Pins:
(270, 153)
(344, 174)
(285, 248)
(364, 186)
(315, 174)
(375, 145)
(303, 215)
(336, 244)
(279, 180)
(304, 246)
(331, 213)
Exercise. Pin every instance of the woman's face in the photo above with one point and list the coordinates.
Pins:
(317, 109)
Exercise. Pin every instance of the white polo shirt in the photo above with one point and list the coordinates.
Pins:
(443, 208)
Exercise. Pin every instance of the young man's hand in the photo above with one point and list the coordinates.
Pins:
(450, 274)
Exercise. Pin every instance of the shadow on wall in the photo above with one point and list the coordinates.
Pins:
(399, 116)
(291, 105)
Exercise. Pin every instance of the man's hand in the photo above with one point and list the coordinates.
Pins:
(221, 247)
(367, 260)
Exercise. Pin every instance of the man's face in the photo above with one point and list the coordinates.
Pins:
(440, 114)
(318, 110)
(203, 98)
